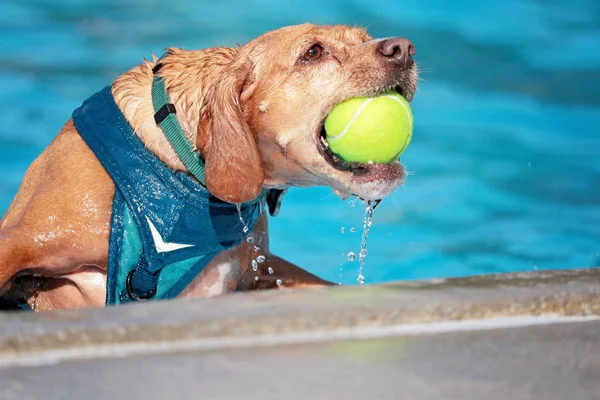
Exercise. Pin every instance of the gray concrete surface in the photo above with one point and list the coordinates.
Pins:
(519, 336)
(544, 362)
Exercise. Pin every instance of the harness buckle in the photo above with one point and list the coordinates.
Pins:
(164, 112)
(138, 297)
(157, 67)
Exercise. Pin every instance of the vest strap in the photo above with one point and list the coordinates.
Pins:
(165, 118)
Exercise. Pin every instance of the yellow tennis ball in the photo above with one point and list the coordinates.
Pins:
(365, 129)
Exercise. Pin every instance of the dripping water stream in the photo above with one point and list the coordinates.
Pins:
(369, 207)
(239, 210)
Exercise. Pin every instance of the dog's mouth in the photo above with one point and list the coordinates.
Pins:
(362, 172)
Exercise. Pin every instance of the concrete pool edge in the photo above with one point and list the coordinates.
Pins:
(284, 317)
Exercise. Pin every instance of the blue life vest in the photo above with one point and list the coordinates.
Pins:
(165, 227)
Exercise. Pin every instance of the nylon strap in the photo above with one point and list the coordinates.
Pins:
(166, 119)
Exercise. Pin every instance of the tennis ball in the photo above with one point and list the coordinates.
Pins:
(364, 129)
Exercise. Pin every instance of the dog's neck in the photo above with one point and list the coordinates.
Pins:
(189, 76)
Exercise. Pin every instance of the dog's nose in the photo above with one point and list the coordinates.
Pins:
(398, 50)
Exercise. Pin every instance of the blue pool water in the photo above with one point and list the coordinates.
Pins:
(505, 167)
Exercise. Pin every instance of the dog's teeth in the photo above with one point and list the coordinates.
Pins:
(324, 141)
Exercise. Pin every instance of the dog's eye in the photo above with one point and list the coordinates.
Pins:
(313, 53)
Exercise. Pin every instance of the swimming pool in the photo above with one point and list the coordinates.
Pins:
(505, 167)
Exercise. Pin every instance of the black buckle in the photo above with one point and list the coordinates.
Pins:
(164, 112)
(157, 67)
(138, 297)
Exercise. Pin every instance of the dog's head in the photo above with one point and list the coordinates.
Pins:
(263, 124)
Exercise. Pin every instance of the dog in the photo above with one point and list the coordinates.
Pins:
(252, 122)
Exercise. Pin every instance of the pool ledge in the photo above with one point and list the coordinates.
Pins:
(301, 316)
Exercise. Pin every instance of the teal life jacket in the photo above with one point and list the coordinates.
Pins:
(165, 225)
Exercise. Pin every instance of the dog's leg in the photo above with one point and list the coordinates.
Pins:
(223, 273)
(232, 269)
(60, 219)
(274, 271)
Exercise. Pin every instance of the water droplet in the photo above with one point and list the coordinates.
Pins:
(343, 230)
(360, 279)
(254, 265)
(239, 210)
(256, 248)
(256, 278)
(352, 202)
(279, 282)
(353, 229)
(535, 267)
(270, 270)
(260, 259)
(250, 239)
(351, 256)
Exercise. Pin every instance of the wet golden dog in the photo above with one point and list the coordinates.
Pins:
(255, 114)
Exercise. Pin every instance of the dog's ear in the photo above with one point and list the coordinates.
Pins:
(233, 168)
